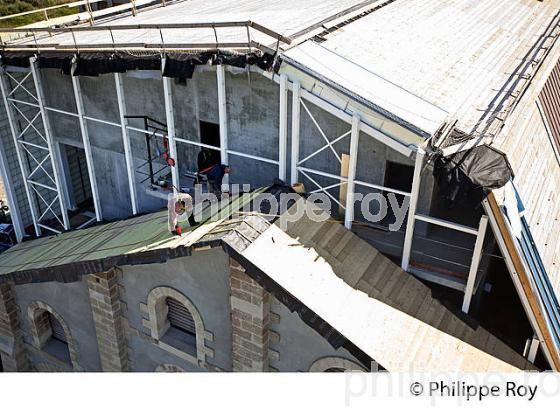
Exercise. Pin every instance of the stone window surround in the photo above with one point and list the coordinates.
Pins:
(169, 368)
(157, 323)
(34, 310)
(329, 362)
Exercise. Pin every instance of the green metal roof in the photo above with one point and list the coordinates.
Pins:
(146, 234)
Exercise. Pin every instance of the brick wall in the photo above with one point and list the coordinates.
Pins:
(250, 317)
(109, 322)
(12, 350)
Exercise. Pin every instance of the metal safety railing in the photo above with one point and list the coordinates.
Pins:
(40, 43)
(152, 158)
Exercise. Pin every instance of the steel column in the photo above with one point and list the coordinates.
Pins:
(50, 143)
(354, 141)
(87, 146)
(11, 195)
(296, 111)
(222, 113)
(407, 247)
(283, 127)
(533, 349)
(170, 119)
(126, 141)
(475, 262)
(22, 166)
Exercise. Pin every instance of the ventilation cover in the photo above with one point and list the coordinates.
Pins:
(57, 329)
(179, 316)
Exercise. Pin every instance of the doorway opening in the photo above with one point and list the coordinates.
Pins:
(80, 197)
(210, 135)
(397, 176)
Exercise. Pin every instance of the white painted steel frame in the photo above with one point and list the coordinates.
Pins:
(296, 110)
(298, 97)
(129, 159)
(125, 127)
(283, 127)
(15, 214)
(18, 148)
(354, 142)
(409, 233)
(87, 146)
(533, 349)
(222, 115)
(475, 263)
(171, 137)
(21, 146)
(50, 144)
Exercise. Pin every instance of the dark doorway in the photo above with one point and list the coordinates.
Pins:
(397, 176)
(80, 188)
(210, 135)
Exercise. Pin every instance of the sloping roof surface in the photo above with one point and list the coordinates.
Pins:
(387, 313)
(109, 243)
(341, 286)
(453, 54)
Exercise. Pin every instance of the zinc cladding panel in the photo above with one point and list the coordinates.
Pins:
(550, 101)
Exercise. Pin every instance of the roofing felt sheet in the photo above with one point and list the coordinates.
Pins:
(127, 237)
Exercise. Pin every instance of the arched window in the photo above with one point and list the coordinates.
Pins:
(177, 326)
(181, 332)
(51, 334)
(333, 364)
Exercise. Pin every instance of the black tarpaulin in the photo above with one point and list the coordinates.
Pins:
(94, 64)
(181, 65)
(55, 60)
(470, 174)
(178, 65)
(16, 59)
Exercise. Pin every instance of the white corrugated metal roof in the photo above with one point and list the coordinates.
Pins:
(286, 17)
(386, 96)
(451, 54)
